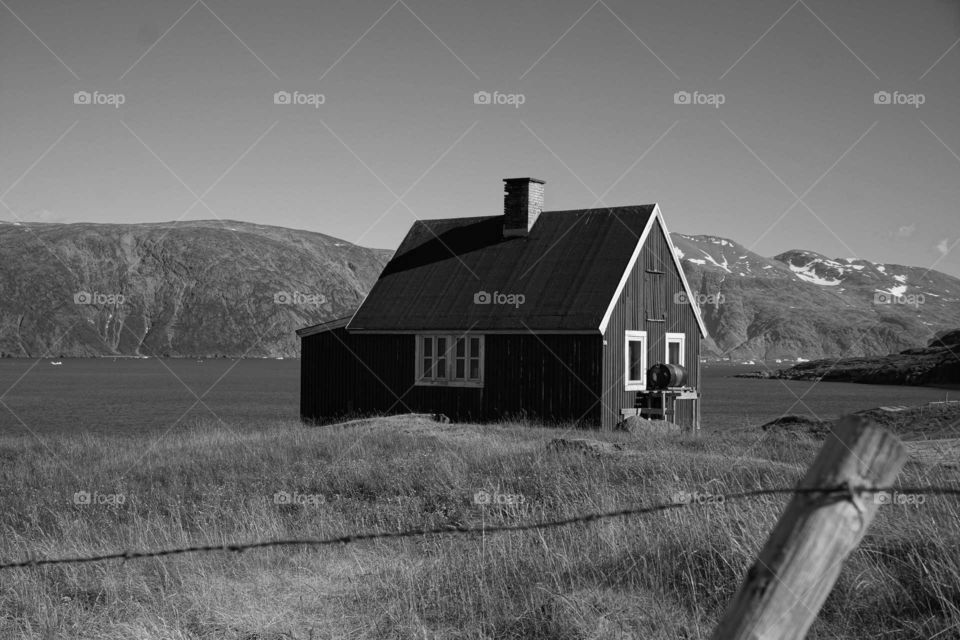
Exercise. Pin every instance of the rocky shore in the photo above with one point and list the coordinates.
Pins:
(937, 364)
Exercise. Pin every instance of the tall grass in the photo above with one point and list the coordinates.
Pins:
(666, 575)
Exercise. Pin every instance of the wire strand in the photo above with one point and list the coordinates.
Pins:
(835, 493)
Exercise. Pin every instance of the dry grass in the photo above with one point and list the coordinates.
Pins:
(667, 575)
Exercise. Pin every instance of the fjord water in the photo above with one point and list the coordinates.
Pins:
(127, 396)
(730, 402)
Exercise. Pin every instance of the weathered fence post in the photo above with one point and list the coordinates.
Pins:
(799, 564)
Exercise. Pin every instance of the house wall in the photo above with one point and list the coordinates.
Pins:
(551, 377)
(546, 377)
(344, 375)
(649, 303)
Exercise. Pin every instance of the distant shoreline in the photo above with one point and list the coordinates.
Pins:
(766, 375)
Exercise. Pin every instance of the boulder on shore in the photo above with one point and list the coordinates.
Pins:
(798, 425)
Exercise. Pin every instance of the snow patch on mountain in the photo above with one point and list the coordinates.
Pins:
(811, 304)
(808, 274)
(895, 291)
(723, 265)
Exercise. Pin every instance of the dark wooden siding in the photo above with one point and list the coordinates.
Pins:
(551, 377)
(685, 412)
(546, 377)
(343, 375)
(650, 302)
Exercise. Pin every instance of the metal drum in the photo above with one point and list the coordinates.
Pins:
(662, 376)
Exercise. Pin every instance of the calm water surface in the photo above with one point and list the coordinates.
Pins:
(109, 396)
(103, 395)
(736, 402)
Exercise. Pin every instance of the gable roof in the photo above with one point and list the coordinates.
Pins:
(566, 269)
(656, 220)
(569, 269)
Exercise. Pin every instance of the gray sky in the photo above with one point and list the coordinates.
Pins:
(598, 121)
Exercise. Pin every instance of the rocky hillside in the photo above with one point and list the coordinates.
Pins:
(211, 288)
(204, 288)
(936, 364)
(803, 304)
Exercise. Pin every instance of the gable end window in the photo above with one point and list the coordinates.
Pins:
(676, 349)
(449, 360)
(635, 360)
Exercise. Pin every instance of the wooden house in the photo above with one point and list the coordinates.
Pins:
(555, 316)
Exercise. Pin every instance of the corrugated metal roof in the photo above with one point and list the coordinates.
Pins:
(567, 270)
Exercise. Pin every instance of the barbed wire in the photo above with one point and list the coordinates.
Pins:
(834, 493)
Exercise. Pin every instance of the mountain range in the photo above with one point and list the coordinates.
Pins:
(802, 304)
(226, 288)
(205, 288)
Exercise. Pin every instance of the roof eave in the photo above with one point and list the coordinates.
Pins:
(322, 327)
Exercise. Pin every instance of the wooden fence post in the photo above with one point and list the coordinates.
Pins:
(794, 573)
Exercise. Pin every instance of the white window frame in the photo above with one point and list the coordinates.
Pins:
(450, 379)
(641, 337)
(676, 338)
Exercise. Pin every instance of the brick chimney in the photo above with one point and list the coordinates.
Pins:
(522, 204)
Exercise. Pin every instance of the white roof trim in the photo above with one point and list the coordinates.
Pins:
(626, 273)
(683, 276)
(655, 216)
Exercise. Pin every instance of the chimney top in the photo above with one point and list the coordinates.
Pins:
(522, 204)
(516, 180)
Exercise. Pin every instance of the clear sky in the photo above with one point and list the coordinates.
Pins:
(798, 155)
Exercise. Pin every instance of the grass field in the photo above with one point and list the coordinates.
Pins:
(666, 575)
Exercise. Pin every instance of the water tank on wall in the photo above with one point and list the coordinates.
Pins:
(662, 376)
